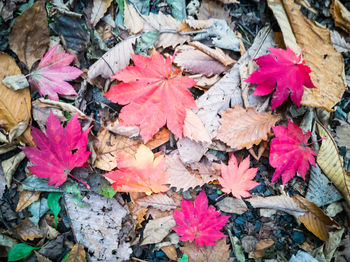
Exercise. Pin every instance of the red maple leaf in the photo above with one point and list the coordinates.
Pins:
(290, 153)
(144, 173)
(198, 222)
(59, 151)
(283, 72)
(52, 73)
(155, 95)
(238, 179)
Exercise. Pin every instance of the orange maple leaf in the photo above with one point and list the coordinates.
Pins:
(237, 179)
(144, 173)
(154, 95)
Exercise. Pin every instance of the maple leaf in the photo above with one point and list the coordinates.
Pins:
(154, 95)
(144, 173)
(238, 179)
(199, 222)
(52, 73)
(281, 70)
(59, 151)
(289, 152)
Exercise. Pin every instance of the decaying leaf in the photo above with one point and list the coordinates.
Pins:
(232, 205)
(199, 222)
(27, 230)
(157, 229)
(132, 20)
(341, 15)
(26, 198)
(15, 106)
(260, 247)
(339, 43)
(205, 83)
(77, 254)
(159, 201)
(98, 10)
(142, 173)
(243, 128)
(10, 165)
(331, 163)
(29, 37)
(189, 25)
(212, 9)
(219, 252)
(326, 64)
(116, 59)
(194, 128)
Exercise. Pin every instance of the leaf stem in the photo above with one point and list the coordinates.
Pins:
(88, 187)
(322, 138)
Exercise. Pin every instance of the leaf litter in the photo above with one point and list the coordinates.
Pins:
(155, 108)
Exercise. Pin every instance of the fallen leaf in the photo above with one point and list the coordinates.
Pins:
(26, 198)
(216, 53)
(341, 15)
(77, 254)
(159, 201)
(197, 62)
(27, 230)
(194, 128)
(41, 258)
(128, 131)
(143, 87)
(212, 9)
(29, 37)
(157, 229)
(243, 128)
(162, 22)
(53, 159)
(189, 25)
(109, 146)
(339, 43)
(281, 72)
(232, 205)
(99, 8)
(199, 222)
(342, 134)
(132, 20)
(219, 252)
(180, 177)
(170, 252)
(326, 64)
(190, 151)
(205, 83)
(260, 247)
(238, 179)
(144, 173)
(52, 73)
(289, 152)
(116, 59)
(331, 163)
(10, 165)
(15, 106)
(229, 1)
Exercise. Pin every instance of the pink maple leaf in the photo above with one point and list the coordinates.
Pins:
(58, 151)
(238, 179)
(52, 73)
(290, 153)
(283, 72)
(198, 222)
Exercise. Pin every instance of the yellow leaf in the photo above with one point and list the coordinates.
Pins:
(77, 254)
(26, 198)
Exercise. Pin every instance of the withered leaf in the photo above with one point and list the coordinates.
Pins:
(160, 201)
(77, 254)
(98, 10)
(26, 198)
(27, 230)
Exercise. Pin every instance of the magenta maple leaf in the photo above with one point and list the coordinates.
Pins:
(59, 151)
(52, 73)
(198, 222)
(283, 72)
(290, 153)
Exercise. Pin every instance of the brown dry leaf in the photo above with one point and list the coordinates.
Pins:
(212, 9)
(341, 15)
(161, 21)
(243, 128)
(315, 220)
(157, 229)
(219, 252)
(15, 106)
(48, 231)
(138, 213)
(27, 230)
(110, 145)
(194, 128)
(189, 25)
(128, 131)
(327, 65)
(29, 37)
(260, 247)
(331, 163)
(99, 8)
(197, 62)
(41, 258)
(170, 252)
(180, 177)
(159, 201)
(26, 198)
(132, 20)
(77, 254)
(205, 83)
(114, 60)
(232, 205)
(216, 53)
